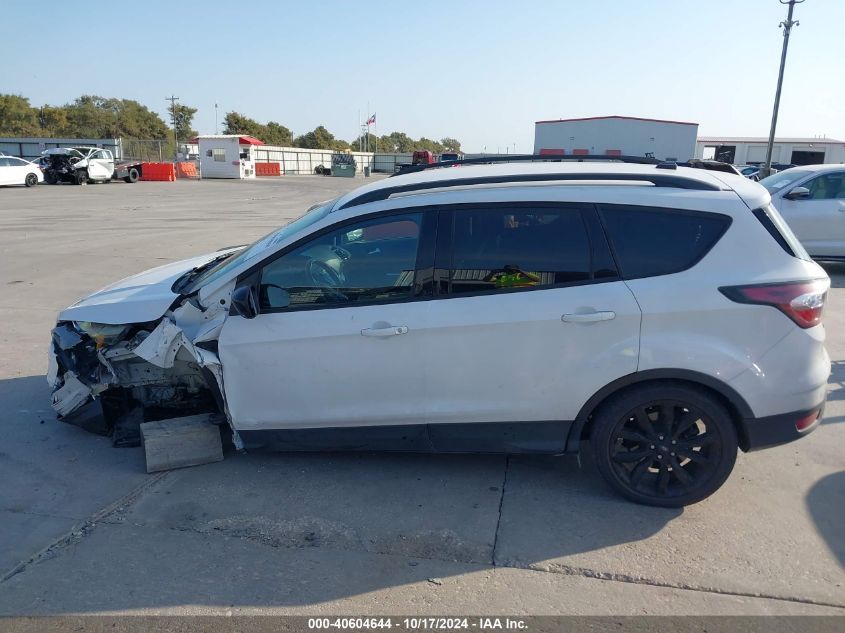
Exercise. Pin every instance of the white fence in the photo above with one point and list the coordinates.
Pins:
(296, 160)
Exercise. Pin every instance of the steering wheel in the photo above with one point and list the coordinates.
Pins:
(327, 278)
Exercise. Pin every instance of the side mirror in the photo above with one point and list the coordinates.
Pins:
(799, 193)
(243, 302)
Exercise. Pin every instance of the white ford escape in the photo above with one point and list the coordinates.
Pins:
(667, 314)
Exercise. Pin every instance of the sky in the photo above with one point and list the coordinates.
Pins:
(479, 71)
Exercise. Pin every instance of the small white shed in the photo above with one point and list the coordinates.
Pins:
(227, 155)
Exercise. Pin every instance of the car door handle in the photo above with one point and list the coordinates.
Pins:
(381, 332)
(588, 317)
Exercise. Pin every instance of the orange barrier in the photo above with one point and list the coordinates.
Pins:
(158, 171)
(186, 170)
(268, 169)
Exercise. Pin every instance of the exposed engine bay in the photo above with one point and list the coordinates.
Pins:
(109, 379)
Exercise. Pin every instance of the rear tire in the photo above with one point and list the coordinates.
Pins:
(81, 177)
(31, 180)
(664, 444)
(132, 176)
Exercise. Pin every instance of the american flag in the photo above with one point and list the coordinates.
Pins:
(372, 120)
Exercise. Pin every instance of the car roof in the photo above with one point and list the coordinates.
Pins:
(538, 173)
(819, 168)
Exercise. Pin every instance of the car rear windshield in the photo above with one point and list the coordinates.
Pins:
(648, 241)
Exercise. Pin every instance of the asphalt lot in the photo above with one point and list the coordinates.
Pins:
(83, 529)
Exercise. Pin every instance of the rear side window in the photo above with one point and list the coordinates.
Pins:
(510, 248)
(780, 231)
(649, 242)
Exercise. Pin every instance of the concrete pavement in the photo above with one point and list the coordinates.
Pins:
(84, 530)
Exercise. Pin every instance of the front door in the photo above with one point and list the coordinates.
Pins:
(534, 318)
(819, 221)
(336, 342)
(101, 165)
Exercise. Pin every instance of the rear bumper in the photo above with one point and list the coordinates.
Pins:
(782, 428)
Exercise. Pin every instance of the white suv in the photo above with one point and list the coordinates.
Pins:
(667, 314)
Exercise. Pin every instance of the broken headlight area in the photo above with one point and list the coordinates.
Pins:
(100, 384)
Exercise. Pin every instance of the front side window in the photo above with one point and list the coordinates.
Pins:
(362, 262)
(219, 155)
(511, 248)
(827, 187)
(649, 242)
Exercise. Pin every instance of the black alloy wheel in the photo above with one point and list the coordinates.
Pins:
(665, 446)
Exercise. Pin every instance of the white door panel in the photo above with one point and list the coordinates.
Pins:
(818, 224)
(101, 166)
(319, 368)
(513, 357)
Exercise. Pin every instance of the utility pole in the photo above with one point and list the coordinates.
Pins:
(215, 119)
(172, 101)
(787, 27)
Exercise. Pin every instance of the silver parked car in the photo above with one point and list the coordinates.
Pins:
(811, 199)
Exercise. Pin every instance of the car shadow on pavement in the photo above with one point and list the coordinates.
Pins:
(826, 502)
(836, 271)
(291, 529)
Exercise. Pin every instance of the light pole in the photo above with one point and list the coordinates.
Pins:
(172, 101)
(787, 27)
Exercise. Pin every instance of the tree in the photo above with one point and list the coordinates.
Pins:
(451, 144)
(17, 117)
(90, 116)
(277, 134)
(320, 138)
(236, 123)
(53, 121)
(184, 118)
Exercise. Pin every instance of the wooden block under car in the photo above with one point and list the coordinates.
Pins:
(180, 442)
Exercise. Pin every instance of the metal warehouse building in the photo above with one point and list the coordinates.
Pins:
(616, 135)
(745, 150)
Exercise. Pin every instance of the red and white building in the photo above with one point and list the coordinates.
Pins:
(227, 155)
(616, 135)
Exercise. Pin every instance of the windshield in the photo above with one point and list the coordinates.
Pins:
(221, 268)
(749, 170)
(780, 180)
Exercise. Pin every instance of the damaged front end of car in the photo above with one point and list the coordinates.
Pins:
(109, 379)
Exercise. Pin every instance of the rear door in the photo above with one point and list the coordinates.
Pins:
(531, 317)
(819, 221)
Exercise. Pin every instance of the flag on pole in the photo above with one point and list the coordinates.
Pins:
(372, 120)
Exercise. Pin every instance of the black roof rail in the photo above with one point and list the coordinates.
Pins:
(657, 179)
(516, 158)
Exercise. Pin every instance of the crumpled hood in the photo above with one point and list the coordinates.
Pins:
(136, 299)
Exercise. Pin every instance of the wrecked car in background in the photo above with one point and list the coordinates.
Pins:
(81, 165)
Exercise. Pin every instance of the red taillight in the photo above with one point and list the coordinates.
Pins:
(801, 301)
(807, 421)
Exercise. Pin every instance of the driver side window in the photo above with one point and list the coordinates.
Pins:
(361, 262)
(827, 187)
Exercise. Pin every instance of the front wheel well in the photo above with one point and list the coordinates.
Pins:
(733, 402)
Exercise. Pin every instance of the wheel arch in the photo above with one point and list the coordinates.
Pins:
(736, 404)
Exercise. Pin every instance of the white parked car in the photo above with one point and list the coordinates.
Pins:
(17, 171)
(666, 314)
(812, 201)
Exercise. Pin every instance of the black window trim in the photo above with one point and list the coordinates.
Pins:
(251, 276)
(435, 249)
(596, 240)
(668, 210)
